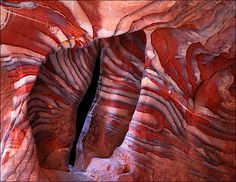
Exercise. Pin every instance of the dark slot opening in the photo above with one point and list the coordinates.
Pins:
(84, 107)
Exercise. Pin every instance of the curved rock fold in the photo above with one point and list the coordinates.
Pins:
(164, 108)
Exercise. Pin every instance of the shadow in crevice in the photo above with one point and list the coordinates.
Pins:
(84, 107)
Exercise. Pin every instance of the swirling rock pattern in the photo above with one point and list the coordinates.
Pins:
(165, 103)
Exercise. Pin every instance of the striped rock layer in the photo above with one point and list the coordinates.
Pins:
(164, 109)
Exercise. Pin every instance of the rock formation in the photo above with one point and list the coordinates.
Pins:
(164, 108)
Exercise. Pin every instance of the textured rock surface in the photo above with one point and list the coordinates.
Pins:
(165, 105)
(122, 65)
(52, 103)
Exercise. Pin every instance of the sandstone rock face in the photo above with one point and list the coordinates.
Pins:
(164, 108)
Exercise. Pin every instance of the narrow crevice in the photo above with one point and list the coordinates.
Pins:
(84, 107)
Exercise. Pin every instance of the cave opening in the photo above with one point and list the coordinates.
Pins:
(84, 107)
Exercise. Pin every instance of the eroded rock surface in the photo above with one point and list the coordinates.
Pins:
(165, 103)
